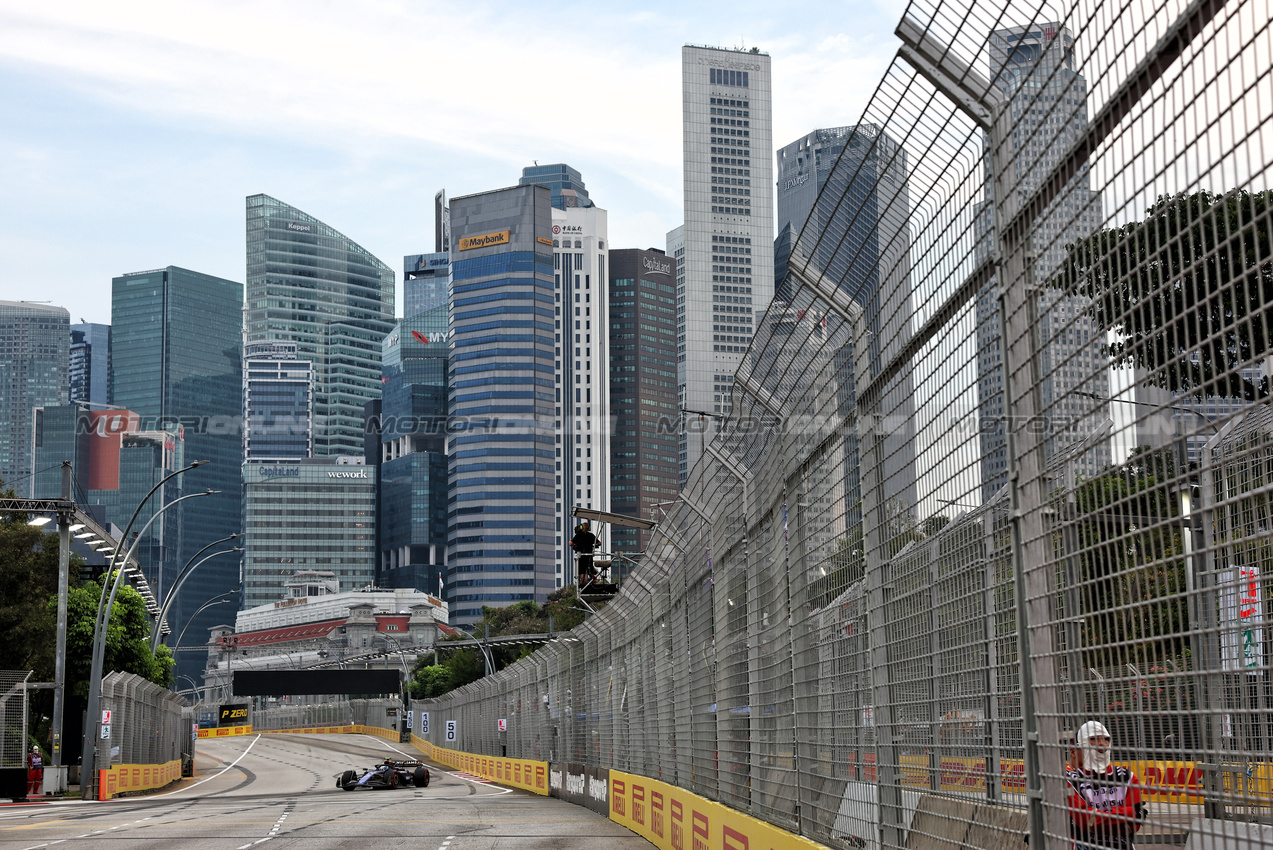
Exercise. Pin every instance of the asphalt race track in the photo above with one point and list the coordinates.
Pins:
(279, 792)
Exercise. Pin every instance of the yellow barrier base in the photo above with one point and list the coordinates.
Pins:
(672, 818)
(526, 774)
(122, 778)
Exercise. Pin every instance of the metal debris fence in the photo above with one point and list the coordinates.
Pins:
(146, 723)
(13, 717)
(998, 462)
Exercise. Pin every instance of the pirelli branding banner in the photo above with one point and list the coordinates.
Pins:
(672, 818)
(123, 778)
(486, 240)
(225, 731)
(527, 774)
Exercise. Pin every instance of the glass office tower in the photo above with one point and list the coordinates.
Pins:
(858, 239)
(643, 456)
(309, 284)
(90, 362)
(502, 446)
(176, 360)
(33, 369)
(1029, 65)
(565, 183)
(278, 403)
(309, 514)
(412, 453)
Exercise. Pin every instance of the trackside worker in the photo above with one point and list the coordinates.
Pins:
(1104, 803)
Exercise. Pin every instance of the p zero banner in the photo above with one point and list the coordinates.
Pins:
(468, 243)
(672, 818)
(233, 715)
(581, 785)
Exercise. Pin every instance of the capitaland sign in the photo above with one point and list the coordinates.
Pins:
(486, 240)
(354, 473)
(653, 266)
(280, 471)
(300, 228)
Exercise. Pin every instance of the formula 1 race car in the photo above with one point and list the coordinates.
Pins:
(389, 773)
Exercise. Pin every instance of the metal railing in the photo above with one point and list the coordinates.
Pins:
(958, 508)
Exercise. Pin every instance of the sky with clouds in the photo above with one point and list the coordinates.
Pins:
(134, 130)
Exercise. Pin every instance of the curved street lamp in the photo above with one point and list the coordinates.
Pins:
(104, 605)
(172, 594)
(216, 600)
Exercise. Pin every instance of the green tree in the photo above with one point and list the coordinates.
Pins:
(1188, 291)
(127, 638)
(1132, 578)
(431, 680)
(28, 565)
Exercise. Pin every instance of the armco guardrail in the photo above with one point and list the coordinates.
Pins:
(921, 538)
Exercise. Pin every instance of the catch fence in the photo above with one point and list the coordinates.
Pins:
(146, 725)
(997, 462)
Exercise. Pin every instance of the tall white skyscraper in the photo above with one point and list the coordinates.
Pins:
(583, 473)
(729, 225)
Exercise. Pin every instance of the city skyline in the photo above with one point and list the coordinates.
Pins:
(150, 155)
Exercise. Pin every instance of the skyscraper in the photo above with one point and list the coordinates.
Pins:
(411, 453)
(729, 225)
(33, 358)
(309, 284)
(176, 360)
(856, 237)
(579, 258)
(643, 449)
(565, 182)
(504, 399)
(1035, 69)
(309, 514)
(425, 278)
(90, 361)
(278, 403)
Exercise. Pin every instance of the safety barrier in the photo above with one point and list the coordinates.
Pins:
(128, 778)
(527, 774)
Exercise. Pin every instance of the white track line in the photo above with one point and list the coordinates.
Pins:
(201, 781)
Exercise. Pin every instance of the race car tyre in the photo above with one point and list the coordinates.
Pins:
(421, 777)
(348, 780)
(393, 779)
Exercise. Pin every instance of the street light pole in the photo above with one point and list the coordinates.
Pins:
(186, 572)
(63, 579)
(216, 600)
(89, 756)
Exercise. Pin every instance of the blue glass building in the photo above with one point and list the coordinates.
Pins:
(278, 403)
(502, 401)
(309, 284)
(176, 360)
(565, 183)
(90, 361)
(412, 453)
(425, 278)
(33, 367)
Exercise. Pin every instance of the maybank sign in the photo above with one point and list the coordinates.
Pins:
(468, 243)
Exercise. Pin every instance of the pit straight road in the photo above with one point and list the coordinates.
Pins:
(278, 792)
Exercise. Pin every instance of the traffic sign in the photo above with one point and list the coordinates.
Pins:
(503, 724)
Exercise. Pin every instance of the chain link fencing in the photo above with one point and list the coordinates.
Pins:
(999, 462)
(146, 723)
(13, 717)
(363, 712)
